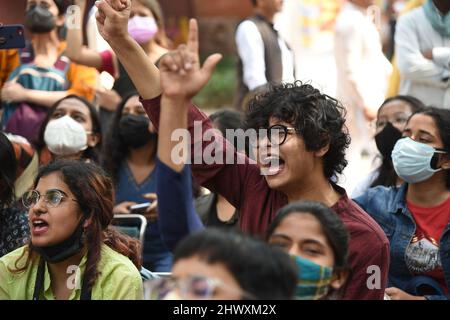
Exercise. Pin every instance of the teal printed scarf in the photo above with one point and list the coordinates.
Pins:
(439, 22)
(313, 280)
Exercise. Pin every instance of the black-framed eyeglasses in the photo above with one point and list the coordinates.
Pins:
(277, 134)
(52, 198)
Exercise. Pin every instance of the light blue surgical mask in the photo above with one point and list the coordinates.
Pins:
(313, 280)
(412, 160)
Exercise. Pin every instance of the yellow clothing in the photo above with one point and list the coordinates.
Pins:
(119, 279)
(9, 60)
(82, 79)
(394, 81)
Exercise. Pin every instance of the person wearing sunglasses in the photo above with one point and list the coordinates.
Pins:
(73, 253)
(416, 215)
(220, 264)
(311, 144)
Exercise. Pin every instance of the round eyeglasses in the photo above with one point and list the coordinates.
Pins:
(276, 134)
(400, 120)
(194, 287)
(52, 198)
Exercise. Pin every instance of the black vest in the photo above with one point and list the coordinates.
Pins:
(272, 57)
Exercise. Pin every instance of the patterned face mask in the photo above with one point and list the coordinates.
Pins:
(313, 280)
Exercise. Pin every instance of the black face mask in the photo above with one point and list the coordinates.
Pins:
(386, 140)
(39, 20)
(133, 131)
(63, 250)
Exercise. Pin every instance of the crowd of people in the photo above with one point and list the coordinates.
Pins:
(264, 219)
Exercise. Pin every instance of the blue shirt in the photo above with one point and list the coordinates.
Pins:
(157, 257)
(178, 217)
(388, 207)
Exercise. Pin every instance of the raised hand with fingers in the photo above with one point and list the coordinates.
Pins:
(181, 74)
(112, 18)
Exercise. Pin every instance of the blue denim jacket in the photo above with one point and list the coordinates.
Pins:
(388, 207)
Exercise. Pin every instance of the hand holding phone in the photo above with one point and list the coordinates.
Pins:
(140, 208)
(12, 36)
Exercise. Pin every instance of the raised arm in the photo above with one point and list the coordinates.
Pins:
(75, 51)
(112, 21)
(205, 144)
(181, 79)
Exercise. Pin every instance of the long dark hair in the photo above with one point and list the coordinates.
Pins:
(386, 174)
(91, 153)
(8, 169)
(332, 226)
(115, 150)
(441, 118)
(94, 193)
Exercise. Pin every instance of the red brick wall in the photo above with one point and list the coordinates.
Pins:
(207, 8)
(217, 19)
(12, 12)
(177, 8)
(223, 8)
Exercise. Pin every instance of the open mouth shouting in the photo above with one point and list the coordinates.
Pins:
(38, 226)
(271, 165)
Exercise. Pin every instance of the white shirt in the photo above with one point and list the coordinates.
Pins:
(250, 48)
(419, 76)
(362, 69)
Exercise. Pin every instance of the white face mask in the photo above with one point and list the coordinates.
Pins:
(412, 160)
(65, 136)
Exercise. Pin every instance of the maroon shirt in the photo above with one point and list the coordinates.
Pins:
(247, 190)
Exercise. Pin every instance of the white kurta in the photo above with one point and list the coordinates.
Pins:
(427, 80)
(250, 48)
(362, 78)
(362, 69)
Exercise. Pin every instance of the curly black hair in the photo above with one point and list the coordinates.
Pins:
(318, 118)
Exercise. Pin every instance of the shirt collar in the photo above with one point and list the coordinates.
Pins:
(399, 203)
(48, 293)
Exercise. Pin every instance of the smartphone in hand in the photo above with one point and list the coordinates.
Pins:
(140, 208)
(12, 36)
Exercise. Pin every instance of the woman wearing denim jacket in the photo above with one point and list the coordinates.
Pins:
(416, 215)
